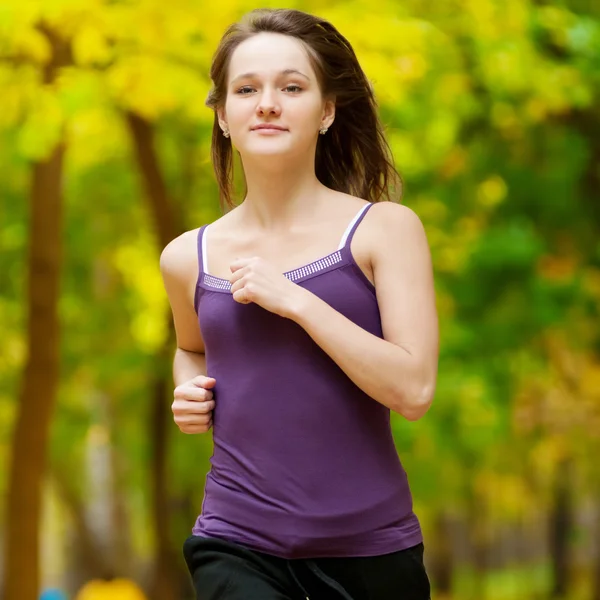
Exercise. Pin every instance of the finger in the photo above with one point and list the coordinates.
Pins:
(239, 275)
(236, 267)
(240, 263)
(191, 429)
(184, 407)
(204, 381)
(194, 394)
(236, 286)
(241, 296)
(193, 420)
(200, 408)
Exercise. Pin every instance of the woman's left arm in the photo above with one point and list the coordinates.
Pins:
(399, 370)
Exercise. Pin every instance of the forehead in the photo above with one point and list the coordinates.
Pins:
(269, 53)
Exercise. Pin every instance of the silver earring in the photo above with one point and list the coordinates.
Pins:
(323, 130)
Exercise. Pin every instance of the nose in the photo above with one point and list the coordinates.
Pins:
(267, 104)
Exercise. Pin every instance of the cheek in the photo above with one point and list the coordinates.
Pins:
(309, 118)
(237, 110)
(311, 110)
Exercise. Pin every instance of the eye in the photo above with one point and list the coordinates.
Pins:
(244, 90)
(293, 88)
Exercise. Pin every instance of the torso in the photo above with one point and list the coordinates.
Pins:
(263, 490)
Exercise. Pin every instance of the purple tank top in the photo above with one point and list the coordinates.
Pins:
(304, 463)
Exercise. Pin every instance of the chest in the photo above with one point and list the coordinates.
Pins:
(237, 331)
(285, 252)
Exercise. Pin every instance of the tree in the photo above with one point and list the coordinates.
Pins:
(41, 375)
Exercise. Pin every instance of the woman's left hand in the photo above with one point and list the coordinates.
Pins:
(256, 280)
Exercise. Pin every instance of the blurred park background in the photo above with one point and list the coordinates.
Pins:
(492, 108)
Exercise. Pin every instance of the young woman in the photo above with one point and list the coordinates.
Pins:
(304, 316)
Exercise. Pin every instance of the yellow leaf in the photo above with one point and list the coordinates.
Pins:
(42, 129)
(138, 263)
(492, 191)
(117, 589)
(90, 47)
(32, 44)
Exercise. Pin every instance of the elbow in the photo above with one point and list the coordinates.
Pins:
(413, 406)
(414, 413)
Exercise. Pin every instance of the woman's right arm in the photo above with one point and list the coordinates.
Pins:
(193, 401)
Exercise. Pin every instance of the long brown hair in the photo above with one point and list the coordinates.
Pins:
(354, 156)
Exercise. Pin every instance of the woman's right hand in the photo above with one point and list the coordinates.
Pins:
(193, 405)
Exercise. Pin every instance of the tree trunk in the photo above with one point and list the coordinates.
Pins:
(167, 225)
(123, 559)
(165, 216)
(91, 556)
(39, 385)
(478, 525)
(561, 518)
(442, 563)
(596, 557)
(167, 584)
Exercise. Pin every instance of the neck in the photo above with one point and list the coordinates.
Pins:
(277, 195)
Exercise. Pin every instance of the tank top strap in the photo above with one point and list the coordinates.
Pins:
(202, 268)
(349, 233)
(201, 251)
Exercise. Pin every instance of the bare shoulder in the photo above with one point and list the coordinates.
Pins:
(385, 214)
(394, 217)
(395, 226)
(388, 225)
(180, 256)
(179, 269)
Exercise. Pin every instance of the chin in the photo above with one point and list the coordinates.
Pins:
(256, 150)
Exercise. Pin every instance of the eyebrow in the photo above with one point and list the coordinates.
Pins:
(284, 72)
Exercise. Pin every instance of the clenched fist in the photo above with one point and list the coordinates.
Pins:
(256, 280)
(193, 405)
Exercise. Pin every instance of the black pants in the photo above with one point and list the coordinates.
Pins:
(225, 571)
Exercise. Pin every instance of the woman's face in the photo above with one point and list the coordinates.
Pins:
(273, 104)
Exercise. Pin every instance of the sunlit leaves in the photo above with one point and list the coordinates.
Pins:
(118, 589)
(91, 46)
(42, 128)
(153, 86)
(29, 43)
(148, 299)
(492, 191)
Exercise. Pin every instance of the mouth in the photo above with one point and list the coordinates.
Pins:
(268, 128)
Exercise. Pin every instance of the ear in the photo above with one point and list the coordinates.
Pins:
(222, 117)
(328, 115)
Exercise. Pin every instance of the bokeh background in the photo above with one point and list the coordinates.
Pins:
(492, 111)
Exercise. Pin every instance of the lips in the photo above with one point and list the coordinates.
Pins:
(268, 126)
